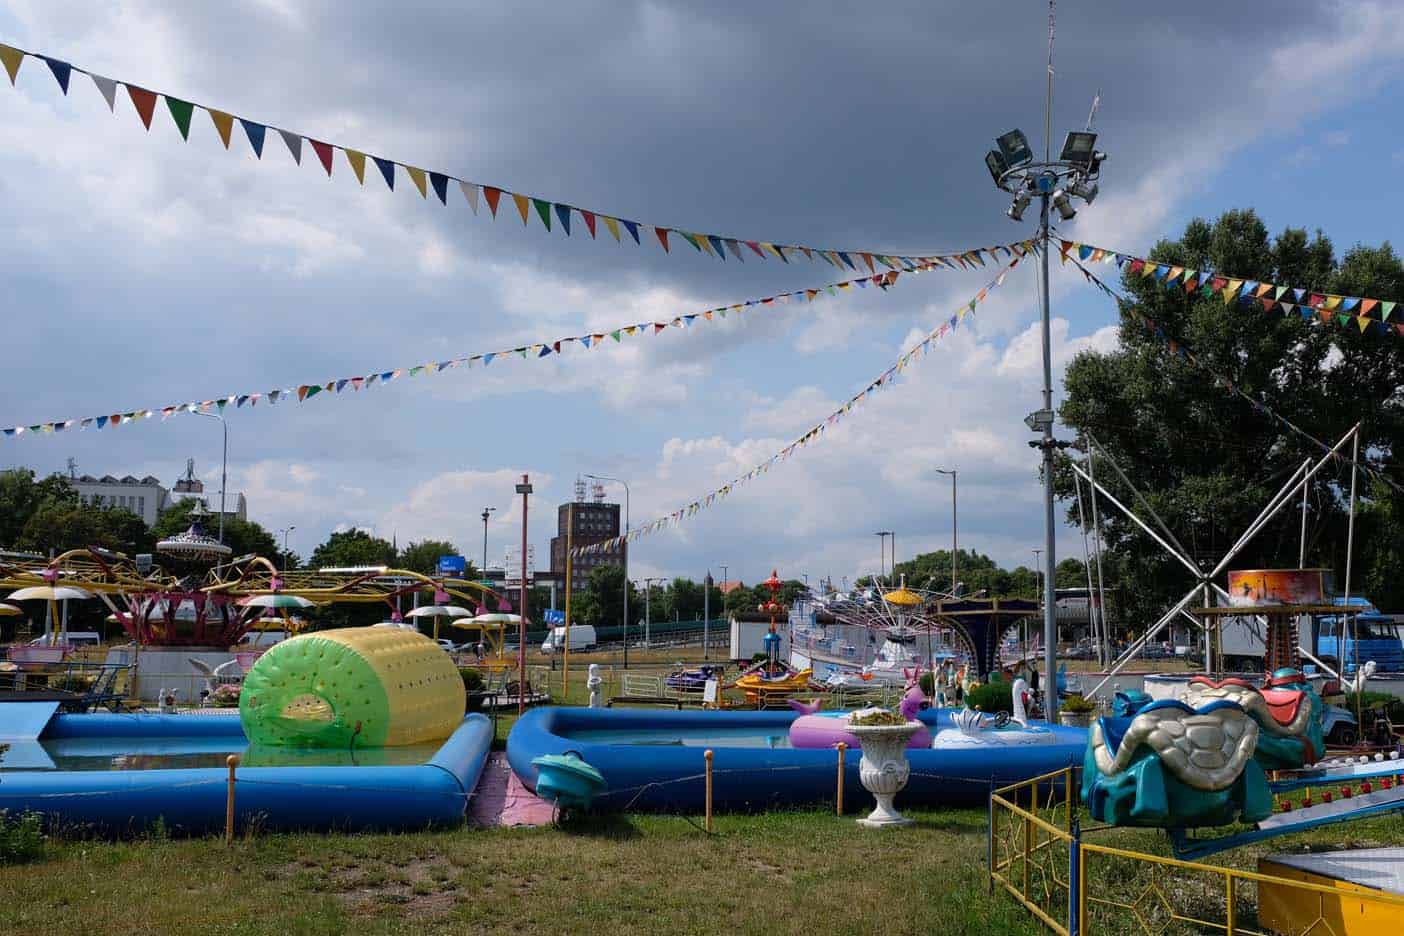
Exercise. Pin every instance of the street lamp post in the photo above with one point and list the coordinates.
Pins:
(882, 552)
(487, 512)
(223, 468)
(625, 548)
(523, 489)
(1056, 183)
(285, 531)
(955, 549)
(706, 613)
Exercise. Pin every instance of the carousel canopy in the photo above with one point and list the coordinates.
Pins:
(194, 545)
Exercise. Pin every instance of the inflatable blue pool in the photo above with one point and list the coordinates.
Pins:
(652, 760)
(121, 773)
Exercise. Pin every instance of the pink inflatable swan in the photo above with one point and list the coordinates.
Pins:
(812, 730)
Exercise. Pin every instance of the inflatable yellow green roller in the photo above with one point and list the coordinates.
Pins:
(367, 686)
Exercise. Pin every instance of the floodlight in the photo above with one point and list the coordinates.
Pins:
(1014, 146)
(1016, 210)
(997, 166)
(1084, 190)
(1039, 420)
(1078, 148)
(1064, 205)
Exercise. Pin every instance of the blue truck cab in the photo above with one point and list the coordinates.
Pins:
(1369, 635)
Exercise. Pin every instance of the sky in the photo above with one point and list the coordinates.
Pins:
(138, 270)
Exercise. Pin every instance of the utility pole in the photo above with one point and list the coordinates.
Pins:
(523, 489)
(570, 557)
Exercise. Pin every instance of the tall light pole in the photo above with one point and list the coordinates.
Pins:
(706, 613)
(882, 547)
(625, 548)
(955, 548)
(223, 468)
(523, 489)
(487, 512)
(1056, 183)
(285, 531)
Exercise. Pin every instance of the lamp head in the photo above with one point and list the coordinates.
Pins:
(1079, 148)
(1014, 147)
(994, 161)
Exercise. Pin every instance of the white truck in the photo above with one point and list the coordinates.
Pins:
(582, 637)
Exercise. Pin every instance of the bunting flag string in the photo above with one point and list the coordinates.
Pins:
(1178, 349)
(476, 194)
(1368, 315)
(303, 392)
(883, 381)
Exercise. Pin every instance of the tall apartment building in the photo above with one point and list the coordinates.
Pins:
(585, 523)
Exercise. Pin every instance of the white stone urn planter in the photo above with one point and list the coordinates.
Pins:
(884, 769)
(1075, 719)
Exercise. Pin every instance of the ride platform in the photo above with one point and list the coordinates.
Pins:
(1369, 871)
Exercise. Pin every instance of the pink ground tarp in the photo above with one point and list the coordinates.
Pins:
(502, 800)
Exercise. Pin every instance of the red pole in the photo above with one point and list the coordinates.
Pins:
(524, 489)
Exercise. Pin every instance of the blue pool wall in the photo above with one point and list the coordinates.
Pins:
(668, 778)
(192, 800)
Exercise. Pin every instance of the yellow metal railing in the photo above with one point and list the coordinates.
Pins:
(1151, 894)
(1036, 854)
(1031, 854)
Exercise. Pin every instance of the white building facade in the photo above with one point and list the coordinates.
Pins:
(146, 497)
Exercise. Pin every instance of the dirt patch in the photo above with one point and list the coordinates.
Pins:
(422, 887)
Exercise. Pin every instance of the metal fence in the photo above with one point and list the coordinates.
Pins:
(1037, 855)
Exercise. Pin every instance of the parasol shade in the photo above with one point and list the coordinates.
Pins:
(276, 601)
(50, 593)
(452, 611)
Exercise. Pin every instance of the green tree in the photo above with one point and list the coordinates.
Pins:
(423, 557)
(352, 548)
(1070, 573)
(742, 599)
(977, 572)
(21, 496)
(602, 602)
(63, 524)
(1205, 460)
(244, 537)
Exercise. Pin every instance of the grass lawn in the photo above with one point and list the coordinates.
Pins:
(785, 872)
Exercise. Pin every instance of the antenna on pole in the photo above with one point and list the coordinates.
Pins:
(1048, 104)
(1092, 114)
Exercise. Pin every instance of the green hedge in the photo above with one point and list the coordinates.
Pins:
(1368, 700)
(991, 697)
